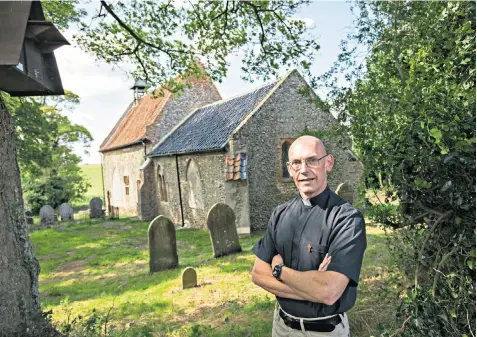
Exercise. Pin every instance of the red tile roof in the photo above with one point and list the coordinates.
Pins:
(131, 128)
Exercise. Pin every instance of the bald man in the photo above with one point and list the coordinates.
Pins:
(311, 254)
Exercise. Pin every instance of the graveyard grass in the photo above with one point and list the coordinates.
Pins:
(103, 267)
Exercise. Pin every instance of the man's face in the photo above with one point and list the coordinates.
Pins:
(310, 181)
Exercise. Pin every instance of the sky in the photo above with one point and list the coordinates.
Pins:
(105, 91)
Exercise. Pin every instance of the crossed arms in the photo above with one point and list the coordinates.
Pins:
(315, 285)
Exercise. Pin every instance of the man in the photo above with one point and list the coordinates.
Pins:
(310, 256)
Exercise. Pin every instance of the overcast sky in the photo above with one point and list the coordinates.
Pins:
(105, 92)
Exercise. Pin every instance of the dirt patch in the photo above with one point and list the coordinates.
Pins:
(73, 266)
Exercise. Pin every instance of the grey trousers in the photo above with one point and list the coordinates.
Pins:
(281, 330)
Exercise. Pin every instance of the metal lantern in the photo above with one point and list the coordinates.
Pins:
(27, 62)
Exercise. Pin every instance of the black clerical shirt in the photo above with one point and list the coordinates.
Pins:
(303, 234)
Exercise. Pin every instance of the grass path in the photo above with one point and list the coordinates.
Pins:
(99, 265)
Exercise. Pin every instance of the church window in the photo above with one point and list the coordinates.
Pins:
(284, 148)
(162, 185)
(126, 184)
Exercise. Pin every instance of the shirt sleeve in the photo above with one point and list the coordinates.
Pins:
(347, 246)
(265, 248)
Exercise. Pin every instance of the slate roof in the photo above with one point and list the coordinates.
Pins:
(208, 128)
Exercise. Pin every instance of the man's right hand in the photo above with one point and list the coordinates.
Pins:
(324, 265)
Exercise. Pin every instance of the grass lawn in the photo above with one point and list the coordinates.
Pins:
(104, 265)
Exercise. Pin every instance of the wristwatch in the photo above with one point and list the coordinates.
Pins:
(277, 271)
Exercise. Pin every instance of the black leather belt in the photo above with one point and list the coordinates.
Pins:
(325, 325)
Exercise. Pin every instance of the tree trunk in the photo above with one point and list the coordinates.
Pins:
(20, 313)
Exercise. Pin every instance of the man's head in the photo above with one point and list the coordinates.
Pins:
(305, 166)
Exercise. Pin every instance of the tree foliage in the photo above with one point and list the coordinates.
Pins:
(63, 13)
(45, 139)
(410, 104)
(163, 39)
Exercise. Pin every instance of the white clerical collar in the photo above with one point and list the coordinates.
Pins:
(306, 202)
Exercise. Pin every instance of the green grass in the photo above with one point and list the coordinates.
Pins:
(93, 174)
(98, 265)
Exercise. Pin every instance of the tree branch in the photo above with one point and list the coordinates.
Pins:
(129, 53)
(168, 51)
(439, 266)
(424, 243)
(143, 67)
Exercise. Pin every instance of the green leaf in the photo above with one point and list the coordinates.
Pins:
(436, 133)
(470, 264)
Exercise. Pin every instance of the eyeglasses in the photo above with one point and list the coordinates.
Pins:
(311, 162)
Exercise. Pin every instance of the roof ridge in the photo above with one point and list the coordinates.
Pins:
(216, 105)
(278, 83)
(239, 95)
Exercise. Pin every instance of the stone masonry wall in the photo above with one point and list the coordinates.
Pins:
(147, 192)
(200, 189)
(201, 93)
(284, 115)
(116, 165)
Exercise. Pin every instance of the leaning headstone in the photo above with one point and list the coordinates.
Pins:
(223, 232)
(346, 192)
(47, 215)
(95, 208)
(66, 212)
(189, 278)
(162, 244)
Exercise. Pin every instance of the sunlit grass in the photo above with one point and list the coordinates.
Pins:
(104, 265)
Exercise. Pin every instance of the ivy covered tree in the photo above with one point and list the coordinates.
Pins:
(45, 140)
(160, 40)
(410, 105)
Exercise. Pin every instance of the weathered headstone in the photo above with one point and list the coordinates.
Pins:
(189, 278)
(162, 244)
(66, 212)
(47, 215)
(223, 232)
(346, 192)
(95, 208)
(114, 214)
(29, 217)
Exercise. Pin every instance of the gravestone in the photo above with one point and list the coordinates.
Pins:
(29, 217)
(47, 215)
(346, 192)
(223, 232)
(95, 208)
(189, 278)
(162, 244)
(66, 212)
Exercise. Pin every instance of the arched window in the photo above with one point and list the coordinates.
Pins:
(195, 197)
(162, 184)
(285, 147)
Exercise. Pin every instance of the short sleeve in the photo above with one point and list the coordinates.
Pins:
(347, 246)
(265, 249)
